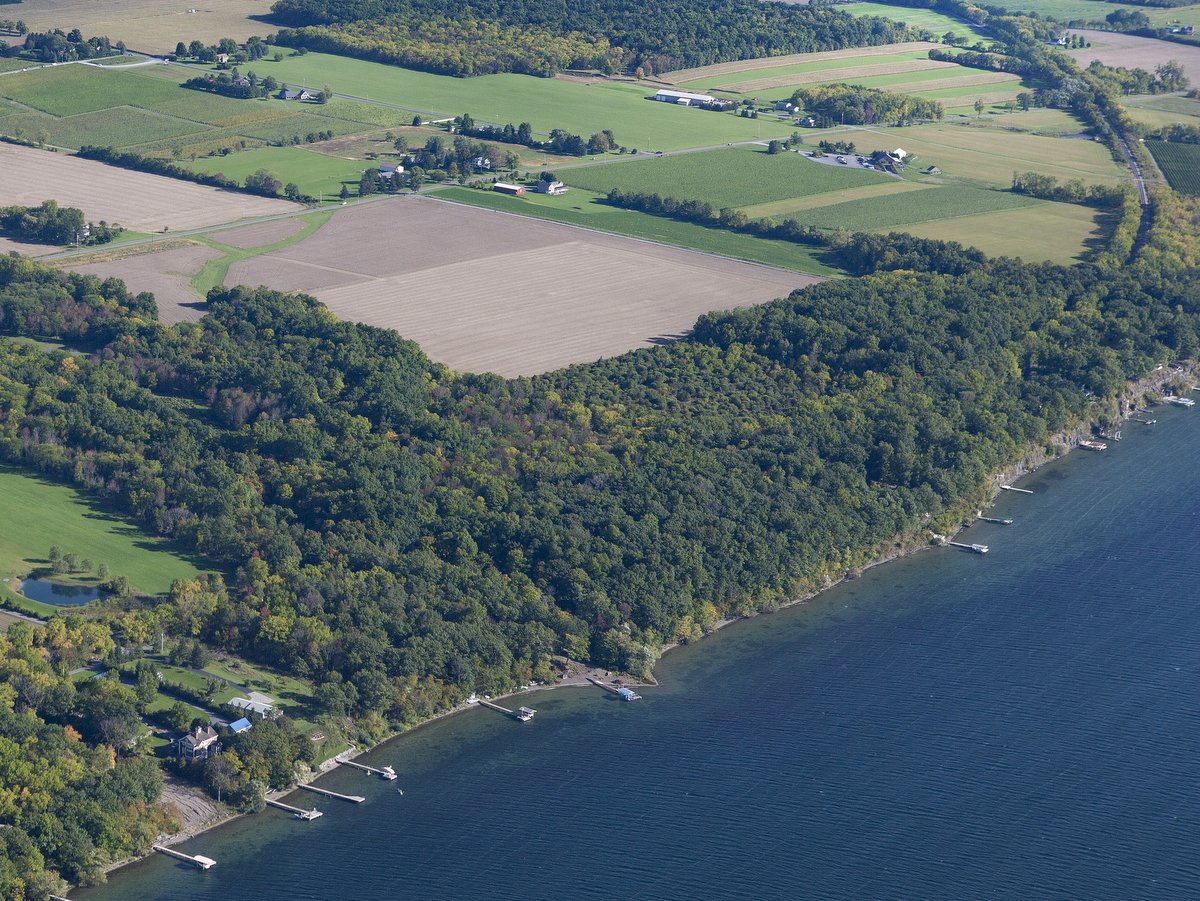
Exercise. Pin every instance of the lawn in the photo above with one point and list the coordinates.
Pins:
(587, 209)
(734, 177)
(315, 173)
(1180, 164)
(545, 103)
(42, 514)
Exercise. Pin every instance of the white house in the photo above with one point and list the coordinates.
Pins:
(683, 98)
(898, 154)
(553, 188)
(390, 170)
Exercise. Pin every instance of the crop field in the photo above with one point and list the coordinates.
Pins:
(150, 25)
(854, 74)
(898, 210)
(115, 127)
(51, 514)
(315, 173)
(1131, 51)
(1180, 164)
(546, 103)
(803, 68)
(797, 205)
(588, 210)
(166, 273)
(1057, 232)
(1091, 10)
(527, 296)
(718, 72)
(733, 177)
(136, 200)
(937, 23)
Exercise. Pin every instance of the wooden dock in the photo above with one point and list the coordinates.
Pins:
(524, 714)
(977, 548)
(357, 799)
(1018, 490)
(383, 773)
(197, 860)
(999, 522)
(296, 811)
(625, 694)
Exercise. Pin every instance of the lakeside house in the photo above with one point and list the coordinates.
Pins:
(199, 744)
(683, 98)
(239, 725)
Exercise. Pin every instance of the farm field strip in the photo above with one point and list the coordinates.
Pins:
(958, 81)
(1056, 232)
(1180, 165)
(800, 204)
(1132, 51)
(899, 210)
(680, 76)
(167, 274)
(847, 74)
(938, 23)
(803, 68)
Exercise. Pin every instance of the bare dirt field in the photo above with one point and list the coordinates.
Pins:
(165, 273)
(150, 25)
(136, 200)
(845, 73)
(260, 235)
(792, 59)
(1133, 52)
(482, 290)
(8, 245)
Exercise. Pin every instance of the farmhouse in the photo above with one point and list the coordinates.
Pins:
(683, 98)
(288, 94)
(898, 154)
(199, 743)
(390, 170)
(784, 105)
(502, 188)
(553, 188)
(481, 163)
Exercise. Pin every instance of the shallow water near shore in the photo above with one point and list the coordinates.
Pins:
(1017, 725)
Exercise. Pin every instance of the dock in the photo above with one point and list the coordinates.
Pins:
(296, 811)
(524, 714)
(999, 522)
(357, 799)
(625, 694)
(977, 548)
(1018, 490)
(1181, 401)
(1144, 421)
(197, 860)
(382, 772)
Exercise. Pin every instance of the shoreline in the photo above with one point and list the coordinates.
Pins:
(1053, 448)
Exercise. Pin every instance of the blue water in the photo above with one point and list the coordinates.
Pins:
(1020, 726)
(49, 592)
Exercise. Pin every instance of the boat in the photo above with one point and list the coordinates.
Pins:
(628, 694)
(387, 773)
(979, 548)
(1093, 445)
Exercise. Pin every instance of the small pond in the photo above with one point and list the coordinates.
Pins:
(56, 593)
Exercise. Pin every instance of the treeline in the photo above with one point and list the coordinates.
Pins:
(1167, 78)
(240, 87)
(59, 46)
(559, 141)
(1047, 187)
(1178, 133)
(464, 47)
(656, 37)
(857, 105)
(51, 224)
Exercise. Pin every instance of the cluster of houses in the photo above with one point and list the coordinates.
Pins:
(205, 741)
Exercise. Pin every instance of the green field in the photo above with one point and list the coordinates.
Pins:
(898, 210)
(315, 173)
(116, 127)
(41, 514)
(1057, 232)
(937, 23)
(1180, 164)
(733, 177)
(545, 103)
(1157, 112)
(1095, 10)
(712, 81)
(586, 209)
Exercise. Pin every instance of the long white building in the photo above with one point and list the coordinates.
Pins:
(683, 98)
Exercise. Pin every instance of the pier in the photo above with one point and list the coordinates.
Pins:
(357, 799)
(296, 811)
(1144, 421)
(383, 773)
(625, 694)
(977, 548)
(999, 522)
(1018, 490)
(524, 714)
(197, 860)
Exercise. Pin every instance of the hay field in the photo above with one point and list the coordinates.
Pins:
(1133, 52)
(150, 25)
(681, 76)
(1057, 232)
(167, 274)
(136, 200)
(845, 73)
(483, 290)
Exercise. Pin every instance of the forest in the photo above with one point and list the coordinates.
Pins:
(656, 37)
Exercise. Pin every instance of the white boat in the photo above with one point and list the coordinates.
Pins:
(525, 714)
(1093, 445)
(387, 773)
(1182, 401)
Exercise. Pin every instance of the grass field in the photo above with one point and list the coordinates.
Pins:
(734, 177)
(812, 63)
(587, 209)
(898, 210)
(50, 514)
(315, 173)
(1157, 112)
(937, 23)
(1057, 232)
(1180, 164)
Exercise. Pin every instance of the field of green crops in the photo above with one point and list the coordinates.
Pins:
(314, 173)
(725, 178)
(1180, 163)
(897, 210)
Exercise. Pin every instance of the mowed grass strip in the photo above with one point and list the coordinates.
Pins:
(719, 70)
(802, 68)
(898, 210)
(589, 211)
(733, 177)
(1180, 164)
(851, 74)
(790, 207)
(51, 514)
(1057, 232)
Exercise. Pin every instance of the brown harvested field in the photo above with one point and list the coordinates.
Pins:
(8, 245)
(1133, 52)
(150, 25)
(846, 73)
(261, 234)
(165, 273)
(481, 290)
(136, 200)
(792, 59)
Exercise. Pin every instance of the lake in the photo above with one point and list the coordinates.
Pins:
(1018, 725)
